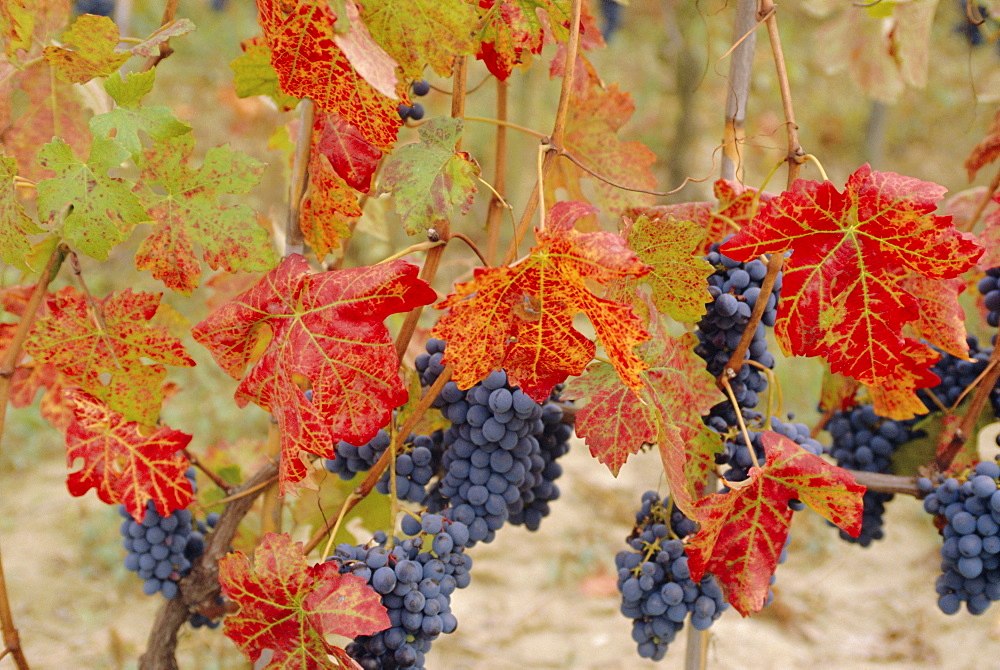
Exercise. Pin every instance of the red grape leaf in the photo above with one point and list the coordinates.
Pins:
(942, 319)
(592, 127)
(329, 208)
(429, 178)
(353, 157)
(688, 456)
(678, 276)
(520, 318)
(744, 530)
(430, 32)
(311, 65)
(616, 422)
(129, 116)
(95, 39)
(53, 108)
(842, 296)
(124, 461)
(513, 30)
(837, 391)
(990, 236)
(104, 208)
(184, 203)
(106, 360)
(326, 333)
(289, 606)
(15, 224)
(253, 74)
(988, 149)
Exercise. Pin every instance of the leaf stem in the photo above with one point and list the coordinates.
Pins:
(795, 153)
(822, 172)
(471, 245)
(494, 214)
(216, 479)
(413, 248)
(504, 123)
(739, 420)
(298, 183)
(169, 12)
(767, 285)
(983, 204)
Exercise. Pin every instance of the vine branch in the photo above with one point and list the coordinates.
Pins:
(967, 428)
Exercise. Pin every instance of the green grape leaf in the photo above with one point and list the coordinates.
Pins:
(130, 116)
(432, 32)
(17, 23)
(104, 209)
(95, 39)
(430, 178)
(188, 212)
(253, 74)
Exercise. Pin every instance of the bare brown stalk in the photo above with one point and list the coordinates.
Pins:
(216, 479)
(471, 245)
(967, 429)
(795, 153)
(981, 207)
(169, 12)
(270, 509)
(736, 360)
(298, 183)
(494, 215)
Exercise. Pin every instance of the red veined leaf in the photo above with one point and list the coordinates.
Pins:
(520, 318)
(326, 333)
(513, 31)
(123, 461)
(328, 210)
(743, 531)
(842, 296)
(942, 319)
(352, 156)
(86, 347)
(289, 606)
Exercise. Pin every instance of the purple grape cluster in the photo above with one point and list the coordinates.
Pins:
(970, 556)
(655, 581)
(989, 287)
(415, 586)
(540, 486)
(735, 453)
(415, 465)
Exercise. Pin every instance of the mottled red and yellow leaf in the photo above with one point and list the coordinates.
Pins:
(94, 55)
(432, 32)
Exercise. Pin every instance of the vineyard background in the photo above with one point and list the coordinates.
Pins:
(546, 600)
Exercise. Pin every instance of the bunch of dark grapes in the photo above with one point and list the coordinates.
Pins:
(415, 587)
(500, 452)
(415, 465)
(862, 440)
(969, 517)
(420, 88)
(956, 375)
(95, 7)
(160, 548)
(351, 460)
(735, 289)
(655, 581)
(989, 287)
(736, 455)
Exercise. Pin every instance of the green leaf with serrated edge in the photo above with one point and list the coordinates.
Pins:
(253, 74)
(288, 606)
(189, 213)
(104, 209)
(95, 39)
(15, 224)
(430, 178)
(130, 116)
(432, 32)
(105, 356)
(743, 531)
(673, 249)
(150, 47)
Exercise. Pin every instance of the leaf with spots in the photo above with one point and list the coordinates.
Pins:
(429, 179)
(124, 461)
(150, 47)
(103, 352)
(843, 296)
(95, 55)
(15, 224)
(104, 209)
(520, 318)
(592, 137)
(184, 204)
(679, 272)
(743, 531)
(17, 23)
(309, 64)
(253, 74)
(130, 116)
(431, 32)
(290, 607)
(513, 31)
(294, 330)
(616, 422)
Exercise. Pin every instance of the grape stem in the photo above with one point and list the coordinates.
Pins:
(967, 226)
(968, 427)
(216, 479)
(169, 12)
(739, 420)
(767, 285)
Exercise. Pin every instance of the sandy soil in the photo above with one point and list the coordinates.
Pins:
(542, 600)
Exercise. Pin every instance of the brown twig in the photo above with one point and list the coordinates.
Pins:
(8, 366)
(967, 428)
(981, 207)
(216, 479)
(270, 509)
(169, 12)
(795, 152)
(298, 184)
(471, 245)
(366, 486)
(494, 216)
(876, 481)
(766, 286)
(201, 587)
(740, 68)
(558, 131)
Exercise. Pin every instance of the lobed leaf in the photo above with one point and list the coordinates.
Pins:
(432, 32)
(95, 55)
